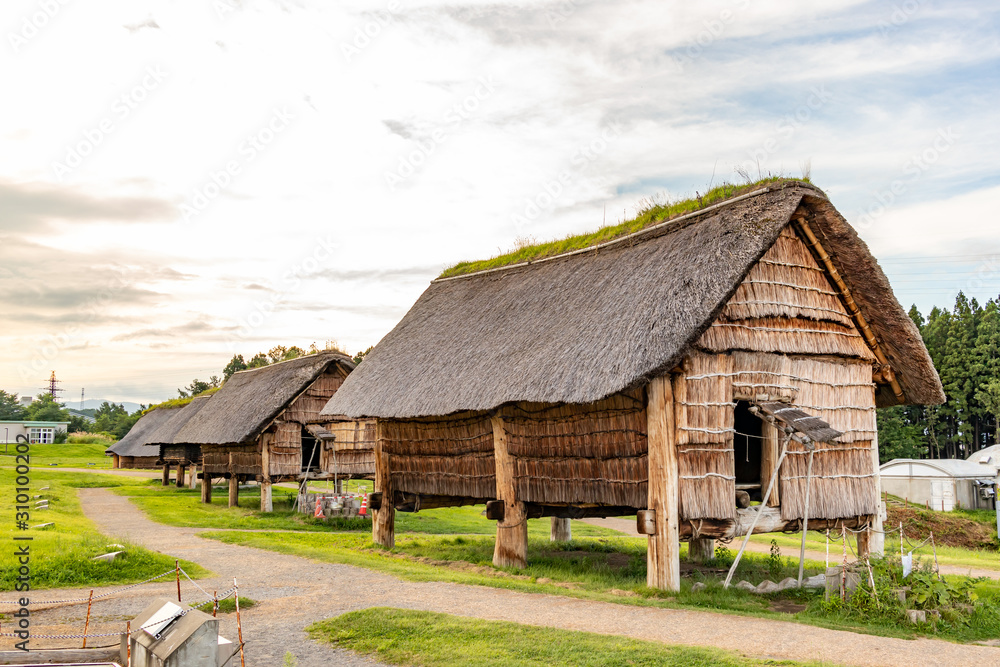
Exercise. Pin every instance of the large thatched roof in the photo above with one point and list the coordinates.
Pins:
(582, 326)
(136, 442)
(250, 400)
(166, 434)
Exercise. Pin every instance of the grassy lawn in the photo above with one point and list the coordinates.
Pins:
(183, 507)
(405, 637)
(61, 554)
(606, 569)
(66, 455)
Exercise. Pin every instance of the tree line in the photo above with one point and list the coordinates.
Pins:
(110, 418)
(964, 344)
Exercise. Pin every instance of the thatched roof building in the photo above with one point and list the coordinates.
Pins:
(257, 425)
(634, 374)
(136, 449)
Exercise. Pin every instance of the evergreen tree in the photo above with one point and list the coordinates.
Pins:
(10, 408)
(235, 365)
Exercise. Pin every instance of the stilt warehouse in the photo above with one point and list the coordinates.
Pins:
(264, 424)
(136, 450)
(651, 373)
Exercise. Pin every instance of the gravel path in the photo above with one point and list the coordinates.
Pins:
(627, 526)
(293, 591)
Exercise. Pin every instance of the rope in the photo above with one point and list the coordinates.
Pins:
(96, 597)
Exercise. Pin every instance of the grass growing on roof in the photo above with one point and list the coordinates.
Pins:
(651, 214)
(61, 554)
(174, 403)
(408, 637)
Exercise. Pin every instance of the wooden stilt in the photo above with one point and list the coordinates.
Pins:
(663, 551)
(701, 550)
(561, 530)
(864, 544)
(266, 504)
(511, 548)
(206, 488)
(384, 519)
(234, 491)
(180, 476)
(166, 475)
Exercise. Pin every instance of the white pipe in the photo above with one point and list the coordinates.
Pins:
(805, 516)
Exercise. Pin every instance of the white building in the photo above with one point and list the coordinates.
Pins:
(942, 484)
(36, 432)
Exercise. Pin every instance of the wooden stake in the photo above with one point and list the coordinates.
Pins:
(239, 625)
(215, 605)
(128, 644)
(511, 546)
(177, 571)
(86, 626)
(843, 568)
(663, 548)
(383, 519)
(561, 530)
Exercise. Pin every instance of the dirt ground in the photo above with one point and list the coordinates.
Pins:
(293, 592)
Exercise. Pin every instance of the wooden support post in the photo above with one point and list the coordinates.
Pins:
(206, 488)
(663, 551)
(561, 530)
(180, 476)
(511, 548)
(266, 503)
(701, 550)
(234, 491)
(384, 518)
(864, 544)
(876, 542)
(166, 475)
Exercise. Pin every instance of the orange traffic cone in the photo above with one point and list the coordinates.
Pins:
(364, 506)
(319, 508)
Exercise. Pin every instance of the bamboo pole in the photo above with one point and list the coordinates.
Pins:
(86, 626)
(239, 624)
(805, 515)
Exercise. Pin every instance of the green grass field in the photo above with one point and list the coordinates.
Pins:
(65, 455)
(406, 637)
(61, 554)
(183, 507)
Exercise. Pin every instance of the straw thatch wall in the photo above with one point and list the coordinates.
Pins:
(580, 454)
(285, 448)
(235, 459)
(450, 456)
(703, 397)
(352, 453)
(786, 304)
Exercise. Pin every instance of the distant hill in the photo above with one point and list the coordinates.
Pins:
(94, 403)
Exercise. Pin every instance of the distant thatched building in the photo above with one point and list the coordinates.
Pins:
(173, 452)
(264, 424)
(651, 372)
(136, 450)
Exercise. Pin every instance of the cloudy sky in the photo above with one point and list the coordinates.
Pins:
(180, 182)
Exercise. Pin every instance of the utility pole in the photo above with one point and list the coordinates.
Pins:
(82, 390)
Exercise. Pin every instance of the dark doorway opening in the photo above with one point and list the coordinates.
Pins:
(310, 452)
(747, 446)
